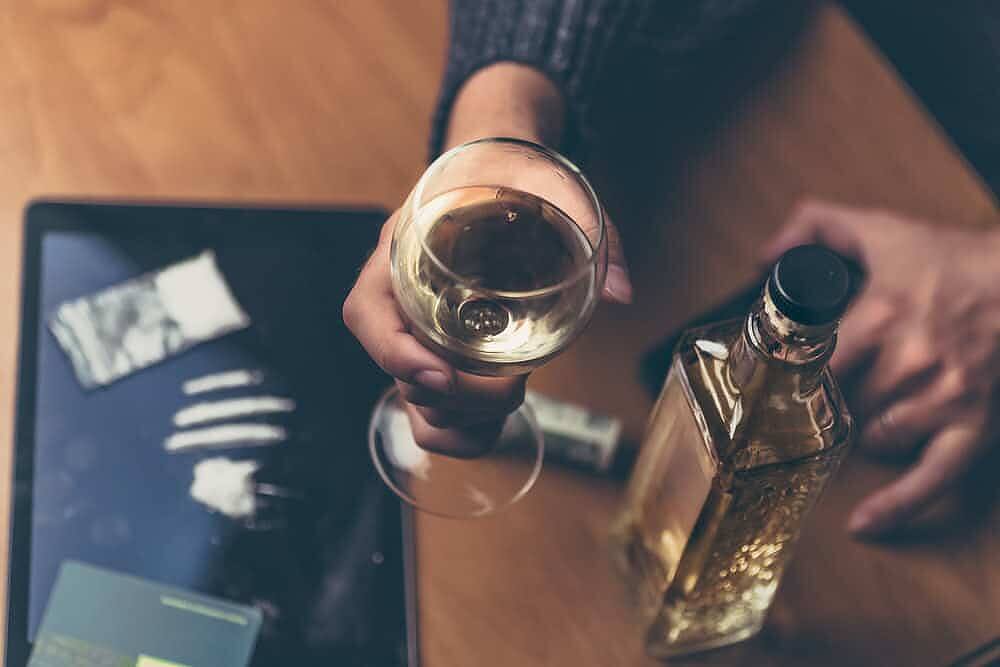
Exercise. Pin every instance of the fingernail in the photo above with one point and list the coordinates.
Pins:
(861, 522)
(434, 380)
(617, 284)
(857, 523)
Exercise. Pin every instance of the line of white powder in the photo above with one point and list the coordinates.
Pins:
(211, 411)
(225, 436)
(225, 380)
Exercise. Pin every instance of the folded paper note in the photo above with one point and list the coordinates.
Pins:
(142, 321)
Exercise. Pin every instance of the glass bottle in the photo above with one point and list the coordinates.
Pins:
(747, 432)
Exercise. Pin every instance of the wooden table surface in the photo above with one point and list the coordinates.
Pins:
(325, 101)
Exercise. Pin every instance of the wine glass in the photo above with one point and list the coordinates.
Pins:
(498, 260)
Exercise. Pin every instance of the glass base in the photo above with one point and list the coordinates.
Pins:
(449, 486)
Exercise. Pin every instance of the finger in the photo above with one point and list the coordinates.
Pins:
(468, 442)
(901, 368)
(449, 418)
(420, 395)
(500, 395)
(816, 221)
(477, 400)
(862, 331)
(944, 460)
(370, 313)
(902, 426)
(617, 283)
(471, 393)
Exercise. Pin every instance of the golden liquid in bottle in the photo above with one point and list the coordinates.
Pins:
(720, 490)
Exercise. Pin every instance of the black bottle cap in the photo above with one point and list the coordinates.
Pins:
(811, 285)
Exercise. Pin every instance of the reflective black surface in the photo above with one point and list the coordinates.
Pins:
(94, 483)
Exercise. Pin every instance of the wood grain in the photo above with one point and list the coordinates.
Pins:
(230, 100)
(329, 100)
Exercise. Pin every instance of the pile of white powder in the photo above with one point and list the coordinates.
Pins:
(226, 486)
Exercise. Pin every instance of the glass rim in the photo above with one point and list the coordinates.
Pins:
(562, 161)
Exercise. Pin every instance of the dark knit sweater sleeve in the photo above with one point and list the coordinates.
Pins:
(564, 39)
(608, 52)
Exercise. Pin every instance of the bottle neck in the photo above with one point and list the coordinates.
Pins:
(778, 354)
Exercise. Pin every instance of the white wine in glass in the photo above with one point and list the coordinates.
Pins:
(498, 260)
(494, 280)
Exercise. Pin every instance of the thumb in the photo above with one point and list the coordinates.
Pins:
(617, 283)
(816, 221)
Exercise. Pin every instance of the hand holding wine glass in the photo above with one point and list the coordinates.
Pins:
(451, 410)
(492, 266)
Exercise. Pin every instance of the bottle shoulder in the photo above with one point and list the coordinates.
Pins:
(771, 418)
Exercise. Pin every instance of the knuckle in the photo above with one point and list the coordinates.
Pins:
(418, 396)
(436, 418)
(962, 380)
(349, 311)
(806, 206)
(952, 386)
(888, 307)
(890, 429)
(410, 393)
(921, 354)
(874, 435)
(427, 437)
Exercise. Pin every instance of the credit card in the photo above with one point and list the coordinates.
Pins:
(99, 618)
